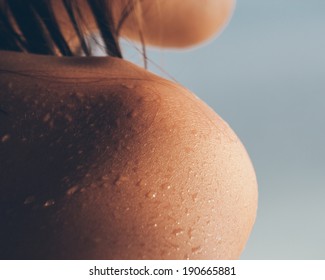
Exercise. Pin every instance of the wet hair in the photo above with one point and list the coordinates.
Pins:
(31, 26)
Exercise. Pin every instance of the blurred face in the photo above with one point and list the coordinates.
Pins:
(178, 23)
(162, 23)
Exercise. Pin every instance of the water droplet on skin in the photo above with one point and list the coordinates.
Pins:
(132, 114)
(218, 239)
(10, 85)
(70, 158)
(196, 249)
(49, 203)
(194, 132)
(118, 122)
(176, 247)
(47, 117)
(194, 197)
(93, 186)
(151, 195)
(68, 118)
(30, 199)
(190, 233)
(79, 94)
(5, 138)
(79, 167)
(162, 252)
(177, 231)
(155, 225)
(170, 170)
(51, 124)
(141, 183)
(129, 86)
(165, 186)
(105, 178)
(120, 179)
(72, 190)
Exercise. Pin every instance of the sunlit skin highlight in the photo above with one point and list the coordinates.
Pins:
(101, 159)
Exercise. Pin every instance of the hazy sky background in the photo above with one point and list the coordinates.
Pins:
(265, 75)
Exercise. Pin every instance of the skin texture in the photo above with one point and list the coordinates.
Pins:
(171, 24)
(102, 160)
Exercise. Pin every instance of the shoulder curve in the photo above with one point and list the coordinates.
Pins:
(120, 161)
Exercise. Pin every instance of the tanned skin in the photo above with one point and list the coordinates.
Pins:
(100, 159)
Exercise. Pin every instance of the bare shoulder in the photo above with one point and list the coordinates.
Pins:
(61, 118)
(52, 88)
(101, 159)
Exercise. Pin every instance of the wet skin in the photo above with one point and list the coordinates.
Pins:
(102, 160)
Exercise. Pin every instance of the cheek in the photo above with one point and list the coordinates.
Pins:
(178, 23)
